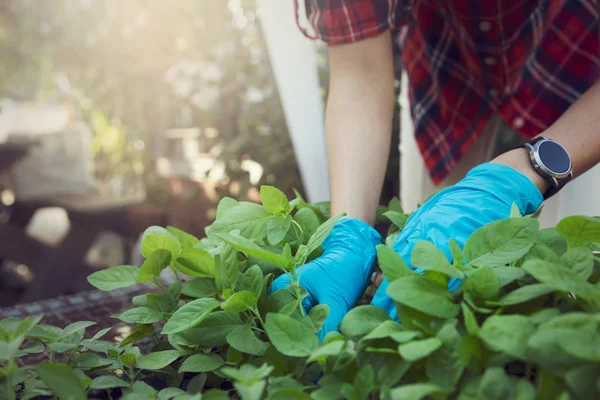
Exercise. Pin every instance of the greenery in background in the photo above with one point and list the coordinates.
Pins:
(524, 323)
(137, 68)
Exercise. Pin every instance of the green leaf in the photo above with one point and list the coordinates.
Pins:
(427, 256)
(114, 278)
(89, 360)
(158, 260)
(76, 327)
(391, 264)
(579, 230)
(243, 339)
(415, 391)
(227, 267)
(252, 281)
(384, 330)
(583, 345)
(273, 200)
(318, 314)
(138, 333)
(326, 350)
(582, 381)
(501, 242)
(470, 320)
(248, 373)
(483, 283)
(140, 315)
(33, 348)
(579, 260)
(495, 385)
(397, 218)
(250, 248)
(108, 382)
(544, 315)
(507, 275)
(457, 253)
(289, 394)
(250, 392)
(101, 333)
(190, 315)
(61, 379)
(551, 238)
(540, 250)
(308, 221)
(418, 349)
(195, 262)
(507, 334)
(213, 330)
(321, 233)
(361, 320)
(560, 278)
(200, 287)
(225, 204)
(128, 360)
(514, 211)
(240, 301)
(151, 243)
(292, 338)
(201, 363)
(172, 392)
(157, 360)
(249, 218)
(184, 238)
(424, 295)
(277, 383)
(405, 336)
(523, 294)
(277, 228)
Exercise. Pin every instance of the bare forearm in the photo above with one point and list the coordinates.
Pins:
(358, 127)
(577, 130)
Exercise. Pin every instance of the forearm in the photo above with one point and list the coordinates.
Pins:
(577, 130)
(359, 124)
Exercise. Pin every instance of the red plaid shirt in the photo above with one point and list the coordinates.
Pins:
(526, 60)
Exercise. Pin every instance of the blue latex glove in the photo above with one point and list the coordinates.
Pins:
(340, 275)
(485, 195)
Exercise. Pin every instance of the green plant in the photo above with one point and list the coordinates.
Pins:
(524, 323)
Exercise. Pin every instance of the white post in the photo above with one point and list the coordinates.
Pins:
(293, 60)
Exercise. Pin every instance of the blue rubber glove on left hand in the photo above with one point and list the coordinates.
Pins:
(485, 195)
(340, 275)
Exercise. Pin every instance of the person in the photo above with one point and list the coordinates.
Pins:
(475, 70)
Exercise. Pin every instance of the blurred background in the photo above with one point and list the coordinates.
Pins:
(117, 115)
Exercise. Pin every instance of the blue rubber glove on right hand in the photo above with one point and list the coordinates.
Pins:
(485, 195)
(340, 275)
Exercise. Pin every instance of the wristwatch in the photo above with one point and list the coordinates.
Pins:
(551, 161)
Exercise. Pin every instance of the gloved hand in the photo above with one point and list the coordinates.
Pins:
(485, 195)
(340, 275)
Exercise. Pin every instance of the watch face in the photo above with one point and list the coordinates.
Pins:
(554, 157)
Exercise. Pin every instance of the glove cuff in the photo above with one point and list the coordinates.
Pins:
(353, 232)
(509, 186)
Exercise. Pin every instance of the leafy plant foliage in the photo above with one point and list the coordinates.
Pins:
(524, 323)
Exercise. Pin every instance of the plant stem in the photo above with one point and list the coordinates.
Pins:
(296, 225)
(51, 356)
(109, 395)
(255, 312)
(11, 393)
(528, 371)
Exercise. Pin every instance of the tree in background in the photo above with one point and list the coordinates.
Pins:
(137, 68)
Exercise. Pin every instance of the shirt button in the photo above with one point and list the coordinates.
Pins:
(485, 26)
(493, 92)
(489, 61)
(518, 122)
